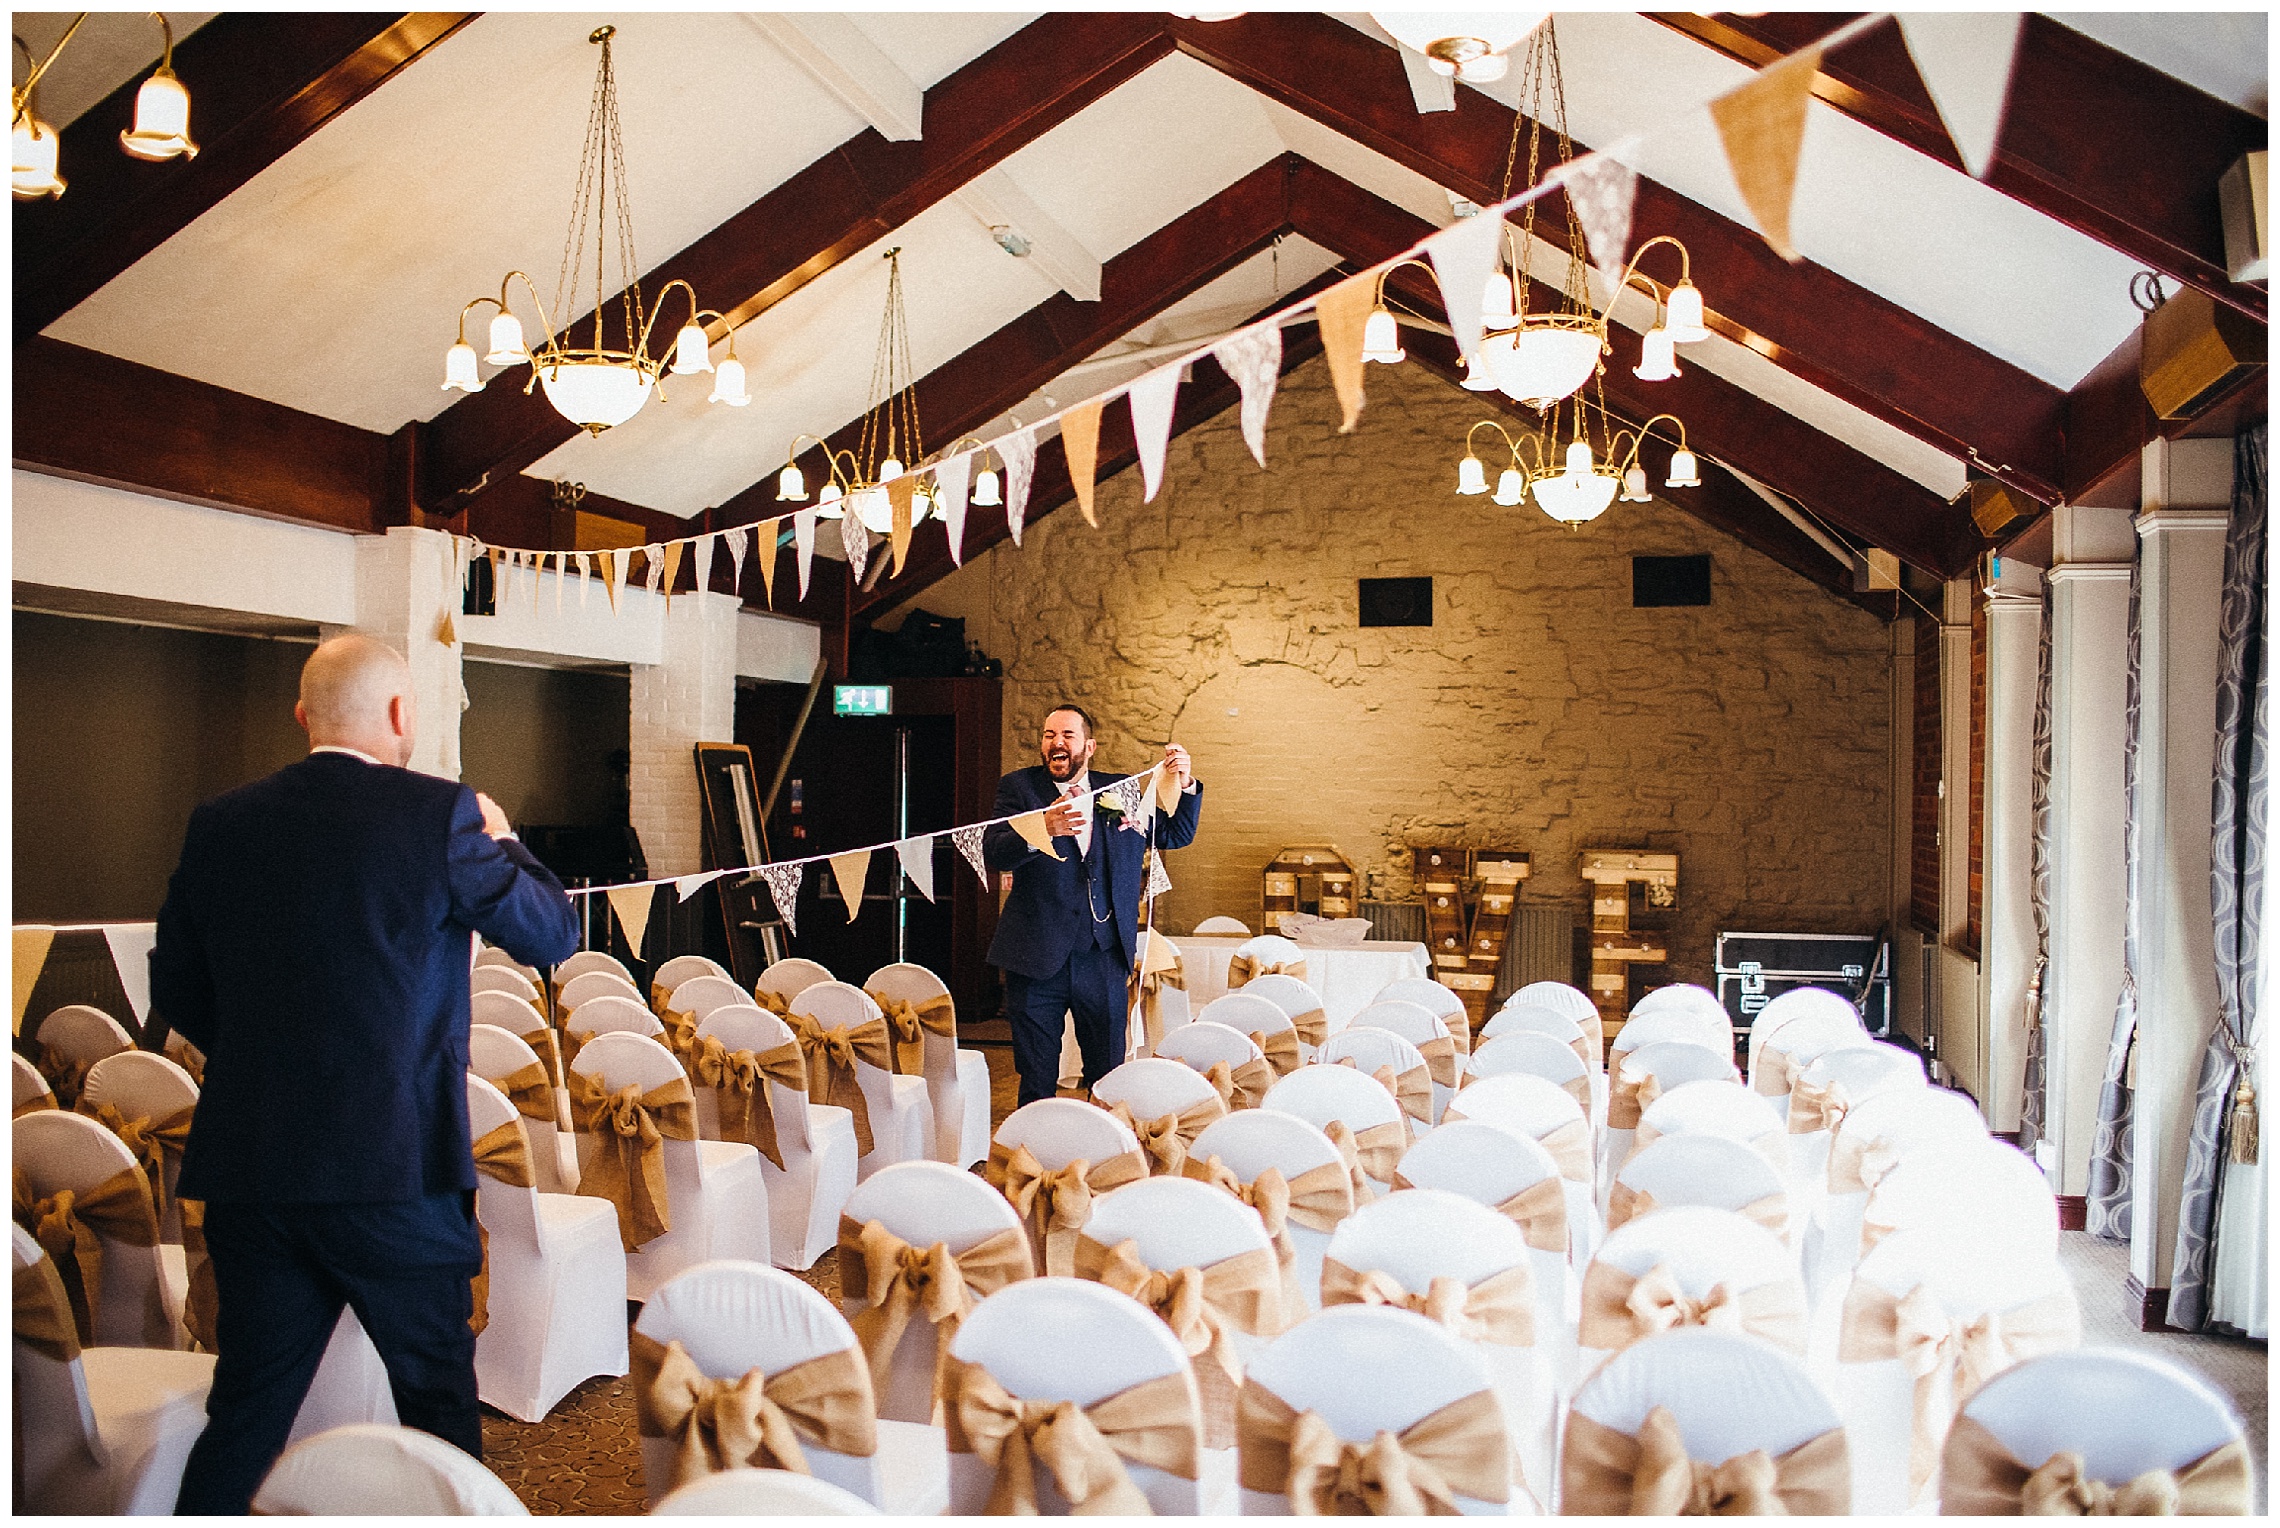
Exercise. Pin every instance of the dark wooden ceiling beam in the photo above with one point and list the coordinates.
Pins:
(1835, 481)
(2091, 137)
(1813, 323)
(850, 198)
(261, 82)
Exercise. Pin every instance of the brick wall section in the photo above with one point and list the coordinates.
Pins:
(1978, 846)
(689, 698)
(404, 586)
(1539, 712)
(1924, 802)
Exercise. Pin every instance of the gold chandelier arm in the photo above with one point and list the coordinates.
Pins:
(166, 47)
(1386, 274)
(537, 302)
(23, 92)
(704, 313)
(1632, 272)
(470, 306)
(658, 307)
(1491, 424)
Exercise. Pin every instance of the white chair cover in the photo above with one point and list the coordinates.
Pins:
(1366, 1370)
(1491, 1164)
(789, 978)
(1989, 1295)
(370, 1468)
(1875, 1136)
(1672, 1021)
(1534, 1018)
(607, 1013)
(492, 955)
(2124, 1413)
(762, 1493)
(902, 1116)
(1687, 996)
(681, 968)
(957, 1081)
(1674, 1170)
(574, 994)
(1669, 1064)
(1985, 1186)
(556, 1306)
(1418, 1025)
(1838, 1079)
(1323, 1095)
(1436, 1000)
(494, 1052)
(1729, 1395)
(504, 978)
(135, 1308)
(1202, 1043)
(31, 1087)
(1249, 1142)
(1368, 1049)
(700, 994)
(1051, 1339)
(734, 1317)
(1777, 1057)
(817, 1142)
(108, 1431)
(1720, 1107)
(145, 1085)
(1535, 1055)
(1731, 1273)
(1253, 1013)
(1789, 1006)
(1221, 924)
(716, 1198)
(1151, 1087)
(1270, 949)
(1549, 1115)
(81, 1036)
(1294, 997)
(1560, 998)
(510, 1011)
(591, 960)
(923, 1203)
(1059, 1131)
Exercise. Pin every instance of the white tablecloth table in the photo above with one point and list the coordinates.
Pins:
(1349, 978)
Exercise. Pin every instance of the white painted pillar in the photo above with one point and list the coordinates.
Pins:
(689, 697)
(2006, 910)
(2089, 647)
(2180, 580)
(405, 585)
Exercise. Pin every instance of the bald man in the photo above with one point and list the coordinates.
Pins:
(315, 945)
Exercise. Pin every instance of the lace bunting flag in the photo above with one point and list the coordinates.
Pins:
(1159, 881)
(1020, 452)
(736, 542)
(855, 539)
(784, 887)
(1127, 793)
(1602, 188)
(969, 842)
(1254, 359)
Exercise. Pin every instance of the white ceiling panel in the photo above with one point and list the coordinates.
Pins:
(332, 282)
(808, 360)
(930, 46)
(1161, 143)
(2226, 54)
(1976, 263)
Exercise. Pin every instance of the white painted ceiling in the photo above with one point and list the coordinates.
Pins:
(332, 281)
(2226, 54)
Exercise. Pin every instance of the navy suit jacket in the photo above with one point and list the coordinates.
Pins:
(314, 944)
(1050, 910)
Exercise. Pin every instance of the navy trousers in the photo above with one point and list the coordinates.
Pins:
(282, 1274)
(1091, 989)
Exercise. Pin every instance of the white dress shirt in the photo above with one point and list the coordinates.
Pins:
(1076, 788)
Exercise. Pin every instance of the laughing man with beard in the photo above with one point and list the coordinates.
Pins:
(1069, 935)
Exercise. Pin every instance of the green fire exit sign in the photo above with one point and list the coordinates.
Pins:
(862, 700)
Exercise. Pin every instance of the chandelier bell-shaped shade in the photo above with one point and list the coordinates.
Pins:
(986, 492)
(34, 156)
(1658, 357)
(1496, 299)
(1684, 471)
(162, 120)
(507, 345)
(830, 504)
(1682, 314)
(692, 352)
(1472, 477)
(1381, 338)
(1543, 363)
(728, 384)
(1511, 487)
(791, 485)
(1635, 487)
(459, 373)
(596, 395)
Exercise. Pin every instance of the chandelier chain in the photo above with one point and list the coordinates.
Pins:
(890, 429)
(605, 202)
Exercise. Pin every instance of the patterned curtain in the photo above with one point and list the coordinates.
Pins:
(2224, 1103)
(2034, 1109)
(2109, 1197)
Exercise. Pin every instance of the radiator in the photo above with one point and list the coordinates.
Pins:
(1541, 947)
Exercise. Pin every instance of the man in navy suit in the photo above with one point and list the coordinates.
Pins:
(314, 944)
(1069, 936)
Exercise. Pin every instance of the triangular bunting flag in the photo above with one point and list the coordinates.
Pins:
(561, 578)
(766, 530)
(537, 578)
(615, 566)
(1020, 453)
(1080, 442)
(653, 567)
(1152, 398)
(498, 556)
(899, 494)
(969, 842)
(446, 633)
(31, 953)
(130, 955)
(850, 870)
(1762, 125)
(916, 856)
(1601, 189)
(703, 570)
(673, 551)
(1343, 313)
(1159, 880)
(1965, 59)
(783, 882)
(1167, 790)
(1031, 826)
(803, 545)
(1128, 794)
(854, 538)
(585, 577)
(737, 540)
(950, 479)
(688, 886)
(1464, 256)
(631, 904)
(1253, 357)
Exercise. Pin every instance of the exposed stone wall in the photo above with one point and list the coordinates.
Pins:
(1540, 711)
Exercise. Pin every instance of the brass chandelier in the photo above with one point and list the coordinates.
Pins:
(604, 382)
(1585, 482)
(161, 128)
